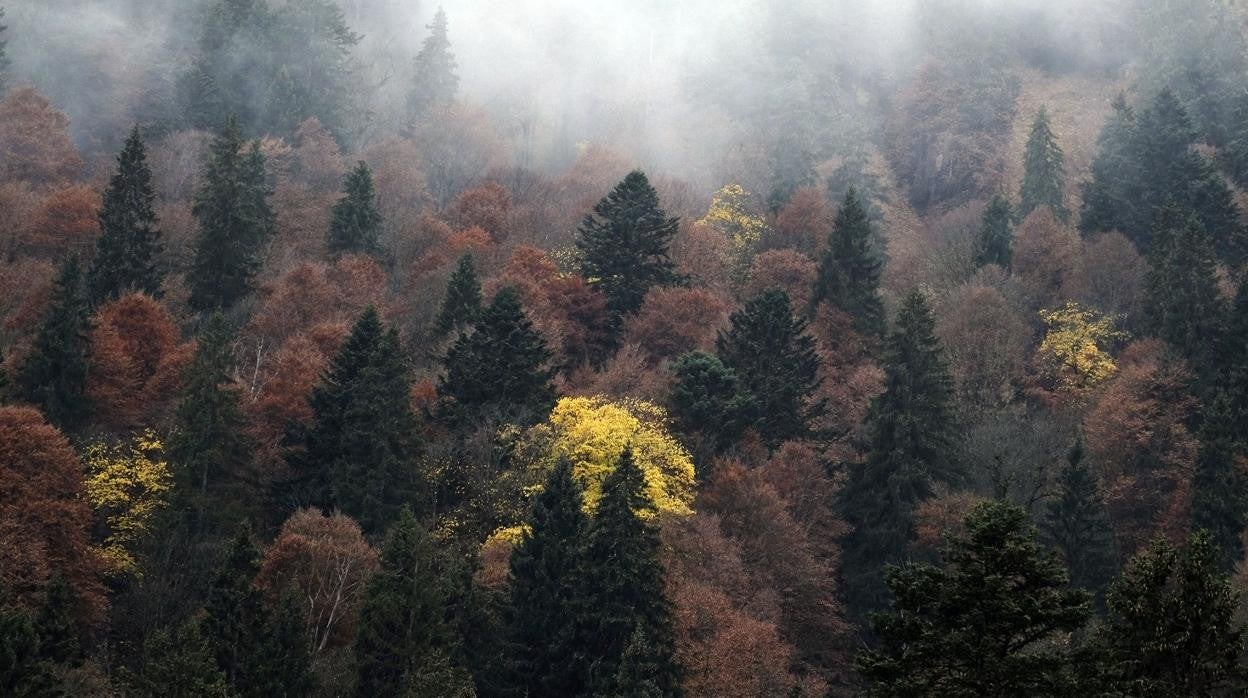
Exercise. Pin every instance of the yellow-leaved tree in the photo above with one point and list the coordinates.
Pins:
(733, 217)
(127, 483)
(1074, 355)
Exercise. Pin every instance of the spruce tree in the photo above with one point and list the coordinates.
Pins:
(53, 377)
(620, 588)
(543, 584)
(359, 454)
(769, 350)
(129, 242)
(1219, 487)
(988, 622)
(462, 304)
(708, 399)
(234, 616)
(1184, 304)
(356, 223)
(639, 669)
(912, 437)
(996, 237)
(849, 271)
(57, 625)
(1111, 198)
(501, 368)
(283, 662)
(180, 664)
(434, 82)
(4, 56)
(1044, 171)
(1077, 524)
(22, 670)
(209, 448)
(624, 245)
(235, 221)
(1234, 360)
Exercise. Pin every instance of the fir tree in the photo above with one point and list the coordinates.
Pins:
(209, 446)
(356, 222)
(359, 453)
(624, 245)
(22, 671)
(1044, 171)
(1219, 488)
(234, 618)
(1077, 524)
(620, 589)
(768, 349)
(543, 584)
(708, 399)
(235, 221)
(283, 663)
(1181, 290)
(129, 242)
(180, 664)
(996, 237)
(912, 436)
(1111, 198)
(54, 375)
(59, 641)
(434, 82)
(499, 368)
(849, 271)
(1234, 359)
(987, 622)
(4, 56)
(462, 304)
(640, 668)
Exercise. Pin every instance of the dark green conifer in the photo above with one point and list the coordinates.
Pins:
(234, 615)
(54, 375)
(434, 82)
(129, 242)
(22, 671)
(1234, 359)
(1185, 307)
(996, 236)
(848, 276)
(59, 639)
(1219, 487)
(4, 56)
(1078, 526)
(1111, 196)
(1044, 171)
(707, 399)
(283, 664)
(462, 304)
(235, 221)
(768, 349)
(624, 245)
(639, 669)
(356, 222)
(180, 664)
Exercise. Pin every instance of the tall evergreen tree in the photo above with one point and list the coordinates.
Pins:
(1219, 487)
(620, 591)
(235, 221)
(849, 270)
(22, 670)
(209, 447)
(501, 367)
(996, 236)
(543, 584)
(1077, 524)
(624, 245)
(434, 82)
(4, 56)
(1111, 198)
(1234, 359)
(358, 455)
(53, 376)
(282, 666)
(462, 304)
(1044, 171)
(180, 664)
(708, 399)
(129, 242)
(768, 349)
(1181, 291)
(986, 623)
(234, 616)
(356, 222)
(57, 624)
(912, 437)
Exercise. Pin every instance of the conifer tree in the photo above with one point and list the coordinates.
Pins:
(283, 662)
(22, 670)
(1234, 359)
(768, 349)
(235, 221)
(234, 616)
(403, 641)
(358, 454)
(1111, 196)
(180, 664)
(1219, 488)
(639, 669)
(356, 222)
(1181, 290)
(4, 56)
(1077, 524)
(499, 368)
(209, 446)
(53, 376)
(434, 82)
(912, 437)
(1044, 171)
(129, 242)
(543, 584)
(708, 399)
(996, 237)
(849, 271)
(984, 623)
(620, 589)
(462, 304)
(624, 245)
(59, 641)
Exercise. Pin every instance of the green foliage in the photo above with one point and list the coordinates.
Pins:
(283, 662)
(1219, 486)
(53, 377)
(1044, 171)
(774, 359)
(129, 242)
(235, 221)
(434, 81)
(356, 222)
(56, 624)
(624, 245)
(849, 270)
(234, 617)
(996, 235)
(22, 673)
(1181, 294)
(1234, 358)
(180, 664)
(461, 306)
(4, 56)
(358, 455)
(984, 623)
(708, 399)
(1077, 524)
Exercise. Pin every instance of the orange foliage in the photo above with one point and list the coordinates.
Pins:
(788, 270)
(312, 293)
(133, 352)
(34, 140)
(65, 222)
(704, 255)
(802, 223)
(674, 320)
(317, 163)
(1046, 253)
(484, 207)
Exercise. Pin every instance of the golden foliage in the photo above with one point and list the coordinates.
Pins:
(127, 484)
(730, 215)
(1075, 350)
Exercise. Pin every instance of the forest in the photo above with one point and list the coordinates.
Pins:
(791, 348)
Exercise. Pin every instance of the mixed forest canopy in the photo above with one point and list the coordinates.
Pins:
(814, 348)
